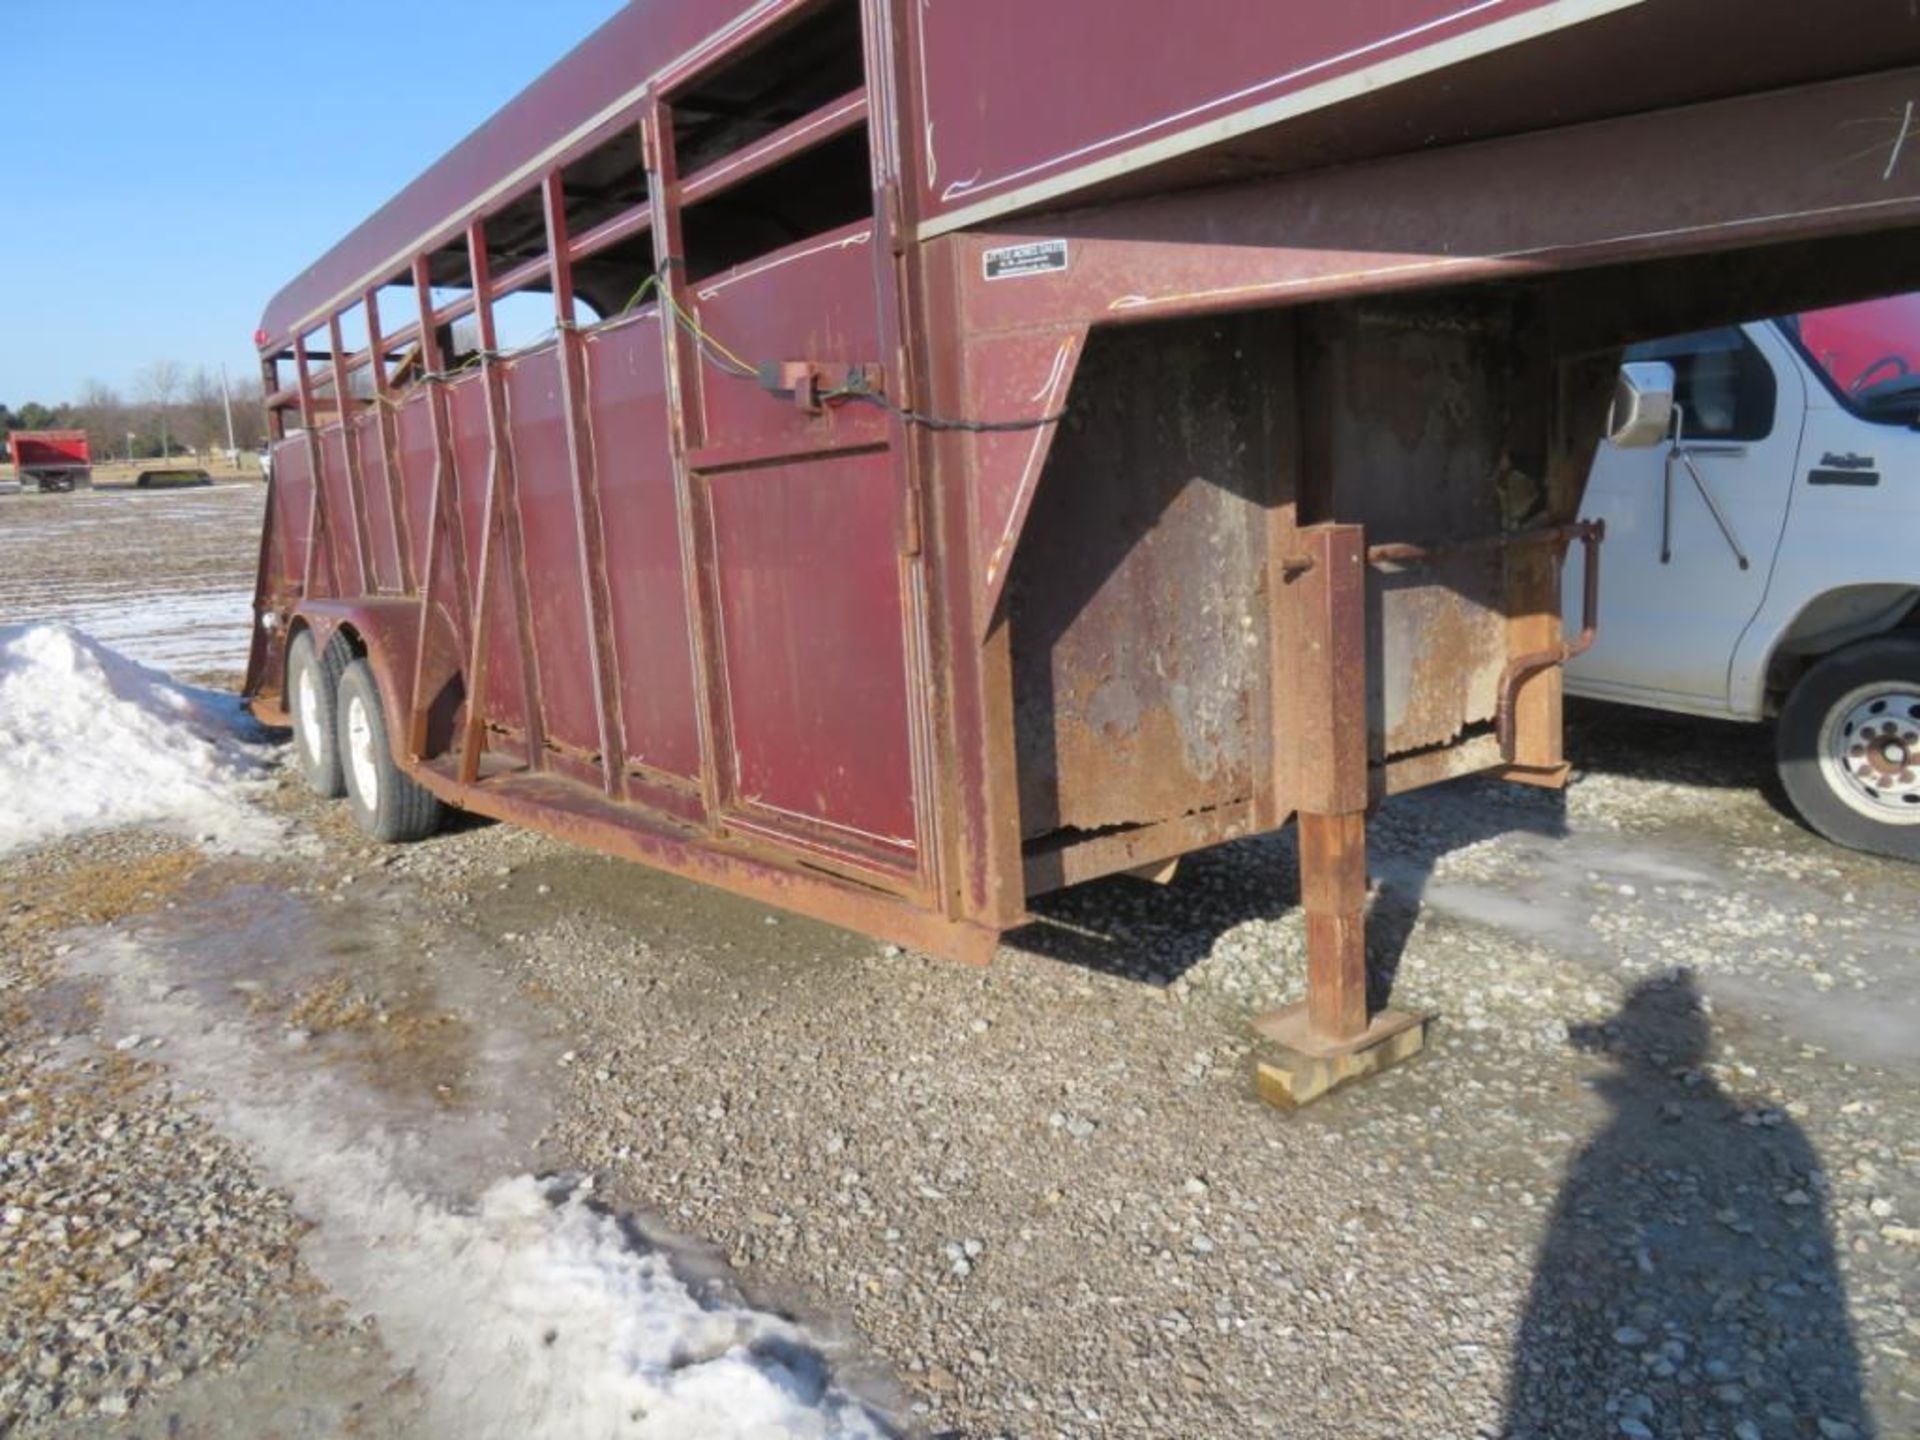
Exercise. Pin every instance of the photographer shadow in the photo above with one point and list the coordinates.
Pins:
(1688, 1284)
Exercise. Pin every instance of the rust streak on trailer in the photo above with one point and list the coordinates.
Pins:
(318, 520)
(445, 582)
(687, 435)
(389, 464)
(594, 579)
(354, 481)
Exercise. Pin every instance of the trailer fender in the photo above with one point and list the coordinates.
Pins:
(386, 632)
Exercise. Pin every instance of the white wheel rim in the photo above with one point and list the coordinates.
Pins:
(366, 775)
(307, 704)
(1870, 752)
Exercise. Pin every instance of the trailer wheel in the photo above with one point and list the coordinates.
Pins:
(313, 689)
(1849, 747)
(387, 802)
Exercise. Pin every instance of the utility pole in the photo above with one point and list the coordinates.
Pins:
(226, 391)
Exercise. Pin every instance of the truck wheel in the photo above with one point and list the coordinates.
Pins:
(1849, 747)
(386, 801)
(313, 688)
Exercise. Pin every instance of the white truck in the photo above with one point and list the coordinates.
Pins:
(1762, 562)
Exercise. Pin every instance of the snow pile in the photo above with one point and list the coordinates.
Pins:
(90, 740)
(180, 632)
(519, 1307)
(541, 1317)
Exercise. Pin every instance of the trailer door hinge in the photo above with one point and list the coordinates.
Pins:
(910, 538)
(896, 217)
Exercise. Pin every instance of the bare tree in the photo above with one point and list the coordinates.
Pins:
(249, 413)
(160, 383)
(203, 418)
(103, 415)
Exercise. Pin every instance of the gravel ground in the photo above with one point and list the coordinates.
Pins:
(1657, 1174)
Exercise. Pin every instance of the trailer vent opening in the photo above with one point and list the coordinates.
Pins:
(819, 191)
(789, 73)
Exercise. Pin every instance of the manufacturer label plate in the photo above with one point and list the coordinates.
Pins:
(1011, 262)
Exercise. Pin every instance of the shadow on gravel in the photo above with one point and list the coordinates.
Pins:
(1140, 931)
(1673, 749)
(1688, 1284)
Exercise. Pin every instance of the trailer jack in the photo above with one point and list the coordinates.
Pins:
(1330, 1038)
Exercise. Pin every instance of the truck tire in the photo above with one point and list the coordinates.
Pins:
(389, 805)
(1849, 747)
(313, 692)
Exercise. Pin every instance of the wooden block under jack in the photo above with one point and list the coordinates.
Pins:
(1295, 1067)
(1541, 777)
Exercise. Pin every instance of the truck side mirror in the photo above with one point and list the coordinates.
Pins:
(1642, 412)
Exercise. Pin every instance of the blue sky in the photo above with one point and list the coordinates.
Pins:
(199, 153)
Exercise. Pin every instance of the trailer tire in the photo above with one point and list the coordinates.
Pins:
(387, 802)
(313, 698)
(1849, 747)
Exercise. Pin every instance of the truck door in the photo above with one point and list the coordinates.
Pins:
(1693, 525)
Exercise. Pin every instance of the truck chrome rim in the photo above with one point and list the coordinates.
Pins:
(307, 703)
(1870, 752)
(366, 778)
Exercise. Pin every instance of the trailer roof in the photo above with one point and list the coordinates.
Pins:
(600, 77)
(1624, 56)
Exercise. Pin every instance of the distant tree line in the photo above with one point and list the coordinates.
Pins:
(172, 411)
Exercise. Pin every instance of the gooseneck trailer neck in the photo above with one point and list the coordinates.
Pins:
(897, 459)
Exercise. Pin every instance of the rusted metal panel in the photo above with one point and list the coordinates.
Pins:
(978, 802)
(578, 814)
(1027, 376)
(441, 688)
(386, 459)
(417, 452)
(543, 485)
(589, 520)
(1321, 596)
(1076, 859)
(807, 576)
(503, 694)
(344, 531)
(1441, 648)
(685, 433)
(1412, 435)
(368, 444)
(292, 512)
(626, 385)
(1135, 604)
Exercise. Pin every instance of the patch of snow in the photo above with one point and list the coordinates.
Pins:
(542, 1317)
(90, 740)
(527, 1312)
(182, 632)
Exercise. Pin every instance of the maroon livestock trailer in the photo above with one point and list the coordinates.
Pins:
(896, 459)
(55, 461)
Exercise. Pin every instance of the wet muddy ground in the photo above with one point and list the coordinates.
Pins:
(1658, 1174)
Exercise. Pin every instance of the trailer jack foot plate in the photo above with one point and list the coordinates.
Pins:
(1294, 1067)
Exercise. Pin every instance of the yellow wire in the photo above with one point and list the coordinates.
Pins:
(648, 286)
